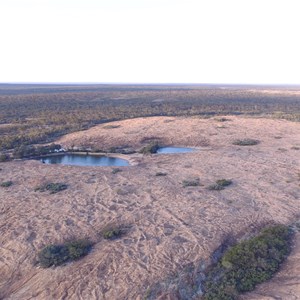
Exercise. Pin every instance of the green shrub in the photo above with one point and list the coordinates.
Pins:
(248, 263)
(78, 248)
(55, 255)
(215, 187)
(6, 183)
(4, 157)
(51, 187)
(220, 184)
(150, 149)
(191, 182)
(224, 182)
(246, 142)
(116, 170)
(112, 233)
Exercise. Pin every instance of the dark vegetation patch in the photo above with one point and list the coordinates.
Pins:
(248, 263)
(220, 184)
(113, 232)
(116, 170)
(246, 142)
(150, 149)
(30, 151)
(58, 254)
(122, 150)
(6, 183)
(42, 113)
(51, 187)
(111, 126)
(191, 182)
(87, 151)
(223, 119)
(161, 174)
(4, 157)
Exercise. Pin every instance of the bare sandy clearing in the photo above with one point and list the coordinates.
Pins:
(170, 227)
(191, 132)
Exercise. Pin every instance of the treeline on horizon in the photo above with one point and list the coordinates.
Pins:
(31, 114)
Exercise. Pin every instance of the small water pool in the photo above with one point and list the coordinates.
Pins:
(169, 150)
(85, 160)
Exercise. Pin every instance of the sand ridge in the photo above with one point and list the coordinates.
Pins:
(169, 227)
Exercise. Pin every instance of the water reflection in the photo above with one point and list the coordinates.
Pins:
(169, 150)
(85, 160)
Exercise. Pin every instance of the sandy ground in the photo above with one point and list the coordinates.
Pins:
(171, 230)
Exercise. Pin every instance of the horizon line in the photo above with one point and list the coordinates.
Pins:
(139, 83)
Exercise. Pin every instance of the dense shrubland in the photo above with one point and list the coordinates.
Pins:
(31, 114)
(248, 263)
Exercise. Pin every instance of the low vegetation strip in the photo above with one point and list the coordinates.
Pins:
(38, 115)
(220, 184)
(191, 182)
(51, 187)
(248, 263)
(246, 142)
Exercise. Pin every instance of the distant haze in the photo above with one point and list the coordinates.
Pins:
(150, 41)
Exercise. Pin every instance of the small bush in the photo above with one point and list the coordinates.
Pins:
(6, 184)
(224, 182)
(215, 187)
(116, 170)
(78, 248)
(51, 187)
(248, 263)
(191, 182)
(55, 255)
(112, 233)
(150, 149)
(4, 157)
(220, 184)
(161, 174)
(246, 142)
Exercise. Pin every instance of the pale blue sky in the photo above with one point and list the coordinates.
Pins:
(150, 41)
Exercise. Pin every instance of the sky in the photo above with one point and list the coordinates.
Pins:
(150, 41)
